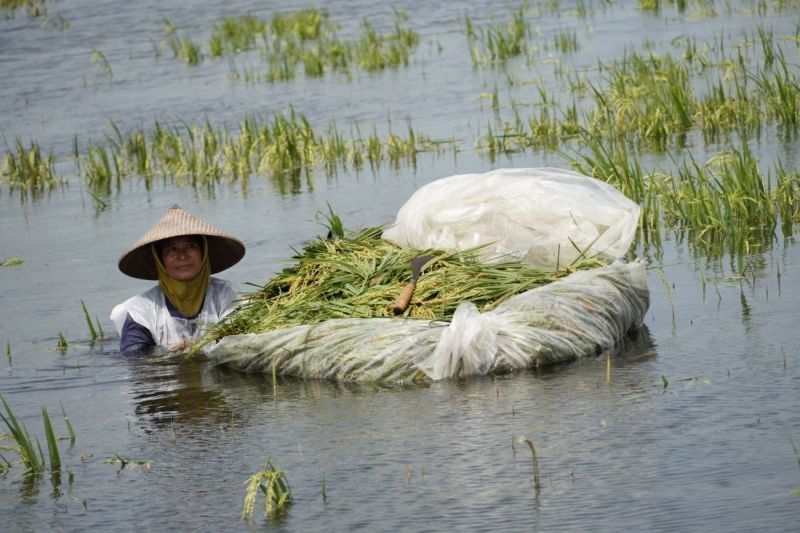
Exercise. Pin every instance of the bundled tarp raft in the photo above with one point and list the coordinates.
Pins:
(506, 231)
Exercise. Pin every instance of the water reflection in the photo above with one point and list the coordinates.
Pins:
(171, 389)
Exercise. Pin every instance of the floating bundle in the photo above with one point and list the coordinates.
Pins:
(491, 289)
(585, 313)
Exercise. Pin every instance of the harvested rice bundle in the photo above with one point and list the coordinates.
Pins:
(360, 276)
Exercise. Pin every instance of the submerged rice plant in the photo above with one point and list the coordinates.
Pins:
(304, 39)
(497, 43)
(34, 8)
(29, 451)
(273, 484)
(28, 171)
(647, 96)
(31, 457)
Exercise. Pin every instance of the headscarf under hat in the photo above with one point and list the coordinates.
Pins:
(223, 250)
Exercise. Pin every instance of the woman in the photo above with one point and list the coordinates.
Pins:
(181, 251)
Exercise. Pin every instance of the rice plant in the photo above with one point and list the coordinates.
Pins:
(94, 333)
(497, 44)
(24, 445)
(30, 456)
(566, 41)
(33, 8)
(273, 484)
(28, 170)
(62, 344)
(52, 445)
(306, 39)
(185, 49)
(13, 261)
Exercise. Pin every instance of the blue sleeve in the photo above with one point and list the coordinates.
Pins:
(134, 338)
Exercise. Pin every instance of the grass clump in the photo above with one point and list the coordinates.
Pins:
(361, 276)
(498, 43)
(26, 169)
(34, 8)
(28, 450)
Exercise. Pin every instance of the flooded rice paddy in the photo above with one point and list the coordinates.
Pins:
(692, 424)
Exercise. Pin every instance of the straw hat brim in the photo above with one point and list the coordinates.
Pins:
(224, 250)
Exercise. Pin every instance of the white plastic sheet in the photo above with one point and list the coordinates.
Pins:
(542, 216)
(583, 314)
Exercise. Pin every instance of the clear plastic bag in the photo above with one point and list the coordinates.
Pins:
(582, 314)
(545, 217)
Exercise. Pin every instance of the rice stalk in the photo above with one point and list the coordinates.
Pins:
(68, 423)
(62, 343)
(275, 487)
(92, 331)
(52, 445)
(28, 170)
(33, 462)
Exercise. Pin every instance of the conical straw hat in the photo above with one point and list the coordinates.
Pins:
(224, 251)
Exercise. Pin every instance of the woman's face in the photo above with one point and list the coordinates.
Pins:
(182, 257)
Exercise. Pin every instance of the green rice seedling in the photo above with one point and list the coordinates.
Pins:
(780, 92)
(497, 44)
(373, 52)
(275, 487)
(52, 445)
(787, 193)
(185, 49)
(62, 343)
(650, 96)
(33, 8)
(235, 35)
(33, 461)
(566, 41)
(68, 423)
(767, 47)
(13, 261)
(28, 170)
(92, 331)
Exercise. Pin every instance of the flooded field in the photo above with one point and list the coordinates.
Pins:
(114, 111)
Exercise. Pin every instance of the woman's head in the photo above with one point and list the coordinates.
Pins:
(223, 250)
(182, 256)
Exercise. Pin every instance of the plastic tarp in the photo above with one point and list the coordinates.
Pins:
(586, 313)
(544, 217)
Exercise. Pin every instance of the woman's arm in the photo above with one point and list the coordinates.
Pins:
(134, 338)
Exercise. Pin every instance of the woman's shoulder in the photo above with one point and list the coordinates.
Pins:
(221, 285)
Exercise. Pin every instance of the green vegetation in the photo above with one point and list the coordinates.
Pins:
(498, 43)
(273, 484)
(284, 149)
(28, 171)
(303, 40)
(361, 276)
(29, 451)
(94, 334)
(13, 261)
(34, 8)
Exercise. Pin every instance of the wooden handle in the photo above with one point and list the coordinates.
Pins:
(401, 304)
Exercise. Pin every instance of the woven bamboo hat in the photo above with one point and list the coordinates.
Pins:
(224, 251)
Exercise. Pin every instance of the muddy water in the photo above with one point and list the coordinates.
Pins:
(689, 428)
